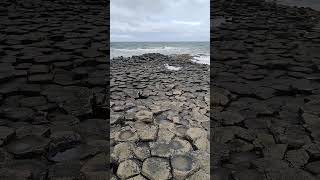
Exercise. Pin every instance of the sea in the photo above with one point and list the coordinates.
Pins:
(199, 50)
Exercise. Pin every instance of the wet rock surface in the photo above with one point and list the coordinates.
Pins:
(159, 118)
(53, 100)
(265, 86)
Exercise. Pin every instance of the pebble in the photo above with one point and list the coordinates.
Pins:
(156, 168)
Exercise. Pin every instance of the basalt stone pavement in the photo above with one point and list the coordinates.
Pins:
(53, 100)
(265, 91)
(159, 118)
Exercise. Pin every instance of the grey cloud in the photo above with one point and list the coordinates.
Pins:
(148, 20)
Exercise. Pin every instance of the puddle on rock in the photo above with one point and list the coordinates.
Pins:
(181, 162)
(69, 154)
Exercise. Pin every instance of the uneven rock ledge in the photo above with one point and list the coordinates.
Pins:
(159, 118)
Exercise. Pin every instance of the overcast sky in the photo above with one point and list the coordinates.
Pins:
(160, 20)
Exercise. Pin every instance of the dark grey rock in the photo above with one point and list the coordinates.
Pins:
(314, 167)
(28, 146)
(19, 114)
(297, 158)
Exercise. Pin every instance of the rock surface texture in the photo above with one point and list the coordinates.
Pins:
(159, 118)
(53, 101)
(265, 90)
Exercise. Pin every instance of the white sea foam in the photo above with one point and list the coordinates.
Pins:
(172, 68)
(150, 49)
(202, 59)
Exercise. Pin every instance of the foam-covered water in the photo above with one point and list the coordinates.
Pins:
(200, 50)
(202, 59)
(172, 68)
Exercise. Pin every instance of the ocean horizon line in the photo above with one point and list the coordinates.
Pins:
(153, 41)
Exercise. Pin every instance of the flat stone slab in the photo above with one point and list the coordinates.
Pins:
(65, 170)
(95, 167)
(19, 114)
(5, 134)
(128, 169)
(28, 146)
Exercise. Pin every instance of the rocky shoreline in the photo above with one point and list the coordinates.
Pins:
(265, 91)
(159, 118)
